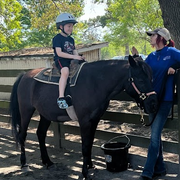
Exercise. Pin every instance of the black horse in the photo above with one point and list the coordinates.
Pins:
(97, 83)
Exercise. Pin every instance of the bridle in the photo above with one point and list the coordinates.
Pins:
(142, 95)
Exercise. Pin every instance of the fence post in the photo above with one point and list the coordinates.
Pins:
(178, 101)
(48, 63)
(56, 126)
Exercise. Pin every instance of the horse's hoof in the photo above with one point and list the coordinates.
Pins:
(52, 167)
(25, 168)
(92, 167)
(88, 178)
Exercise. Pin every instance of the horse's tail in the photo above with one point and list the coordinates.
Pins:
(14, 108)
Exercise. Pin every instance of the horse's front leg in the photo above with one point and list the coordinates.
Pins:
(87, 135)
(86, 152)
(41, 133)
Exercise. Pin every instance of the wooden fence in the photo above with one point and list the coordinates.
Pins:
(9, 71)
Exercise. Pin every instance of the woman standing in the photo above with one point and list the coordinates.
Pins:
(163, 61)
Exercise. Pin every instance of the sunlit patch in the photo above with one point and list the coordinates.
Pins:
(71, 137)
(12, 152)
(72, 176)
(3, 139)
(171, 175)
(37, 166)
(9, 145)
(3, 156)
(53, 156)
(9, 169)
(32, 142)
(67, 154)
(100, 164)
(6, 144)
(99, 157)
(30, 150)
(1, 143)
(79, 162)
(75, 168)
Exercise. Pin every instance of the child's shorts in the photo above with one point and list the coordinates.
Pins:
(62, 63)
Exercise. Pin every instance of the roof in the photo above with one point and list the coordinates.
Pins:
(48, 50)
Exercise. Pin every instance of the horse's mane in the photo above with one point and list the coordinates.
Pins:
(146, 68)
(108, 62)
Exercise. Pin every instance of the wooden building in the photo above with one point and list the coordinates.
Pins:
(14, 62)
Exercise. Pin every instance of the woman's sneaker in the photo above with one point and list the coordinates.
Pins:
(155, 175)
(144, 178)
(62, 103)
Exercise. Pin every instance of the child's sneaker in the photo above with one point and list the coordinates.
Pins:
(62, 103)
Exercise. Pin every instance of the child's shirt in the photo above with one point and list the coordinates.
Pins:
(66, 44)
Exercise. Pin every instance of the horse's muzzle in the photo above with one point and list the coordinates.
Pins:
(151, 104)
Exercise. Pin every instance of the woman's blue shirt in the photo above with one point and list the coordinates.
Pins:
(160, 61)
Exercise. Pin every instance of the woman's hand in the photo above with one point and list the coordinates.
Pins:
(171, 70)
(134, 51)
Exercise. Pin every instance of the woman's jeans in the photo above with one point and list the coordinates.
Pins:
(154, 163)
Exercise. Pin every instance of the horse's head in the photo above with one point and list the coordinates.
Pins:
(139, 85)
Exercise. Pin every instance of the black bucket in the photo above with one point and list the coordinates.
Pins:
(116, 154)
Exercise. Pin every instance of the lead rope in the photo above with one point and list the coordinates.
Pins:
(142, 117)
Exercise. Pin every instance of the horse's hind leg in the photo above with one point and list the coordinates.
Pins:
(41, 133)
(22, 138)
(22, 135)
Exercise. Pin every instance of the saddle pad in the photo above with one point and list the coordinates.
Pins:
(48, 78)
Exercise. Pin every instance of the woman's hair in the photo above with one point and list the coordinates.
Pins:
(170, 44)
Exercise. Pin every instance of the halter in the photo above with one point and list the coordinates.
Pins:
(142, 96)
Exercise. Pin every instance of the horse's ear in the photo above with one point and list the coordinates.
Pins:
(132, 62)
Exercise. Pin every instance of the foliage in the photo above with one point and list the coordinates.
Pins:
(10, 26)
(43, 14)
(110, 51)
(32, 22)
(127, 21)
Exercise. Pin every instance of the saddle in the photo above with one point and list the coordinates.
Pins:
(52, 75)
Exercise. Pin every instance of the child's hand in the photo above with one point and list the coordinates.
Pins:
(83, 57)
(78, 57)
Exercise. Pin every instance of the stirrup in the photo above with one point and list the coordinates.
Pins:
(62, 103)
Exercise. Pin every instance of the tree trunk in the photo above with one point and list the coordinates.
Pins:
(171, 17)
(127, 49)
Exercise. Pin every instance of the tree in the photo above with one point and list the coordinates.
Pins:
(171, 16)
(128, 20)
(31, 23)
(39, 19)
(10, 26)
